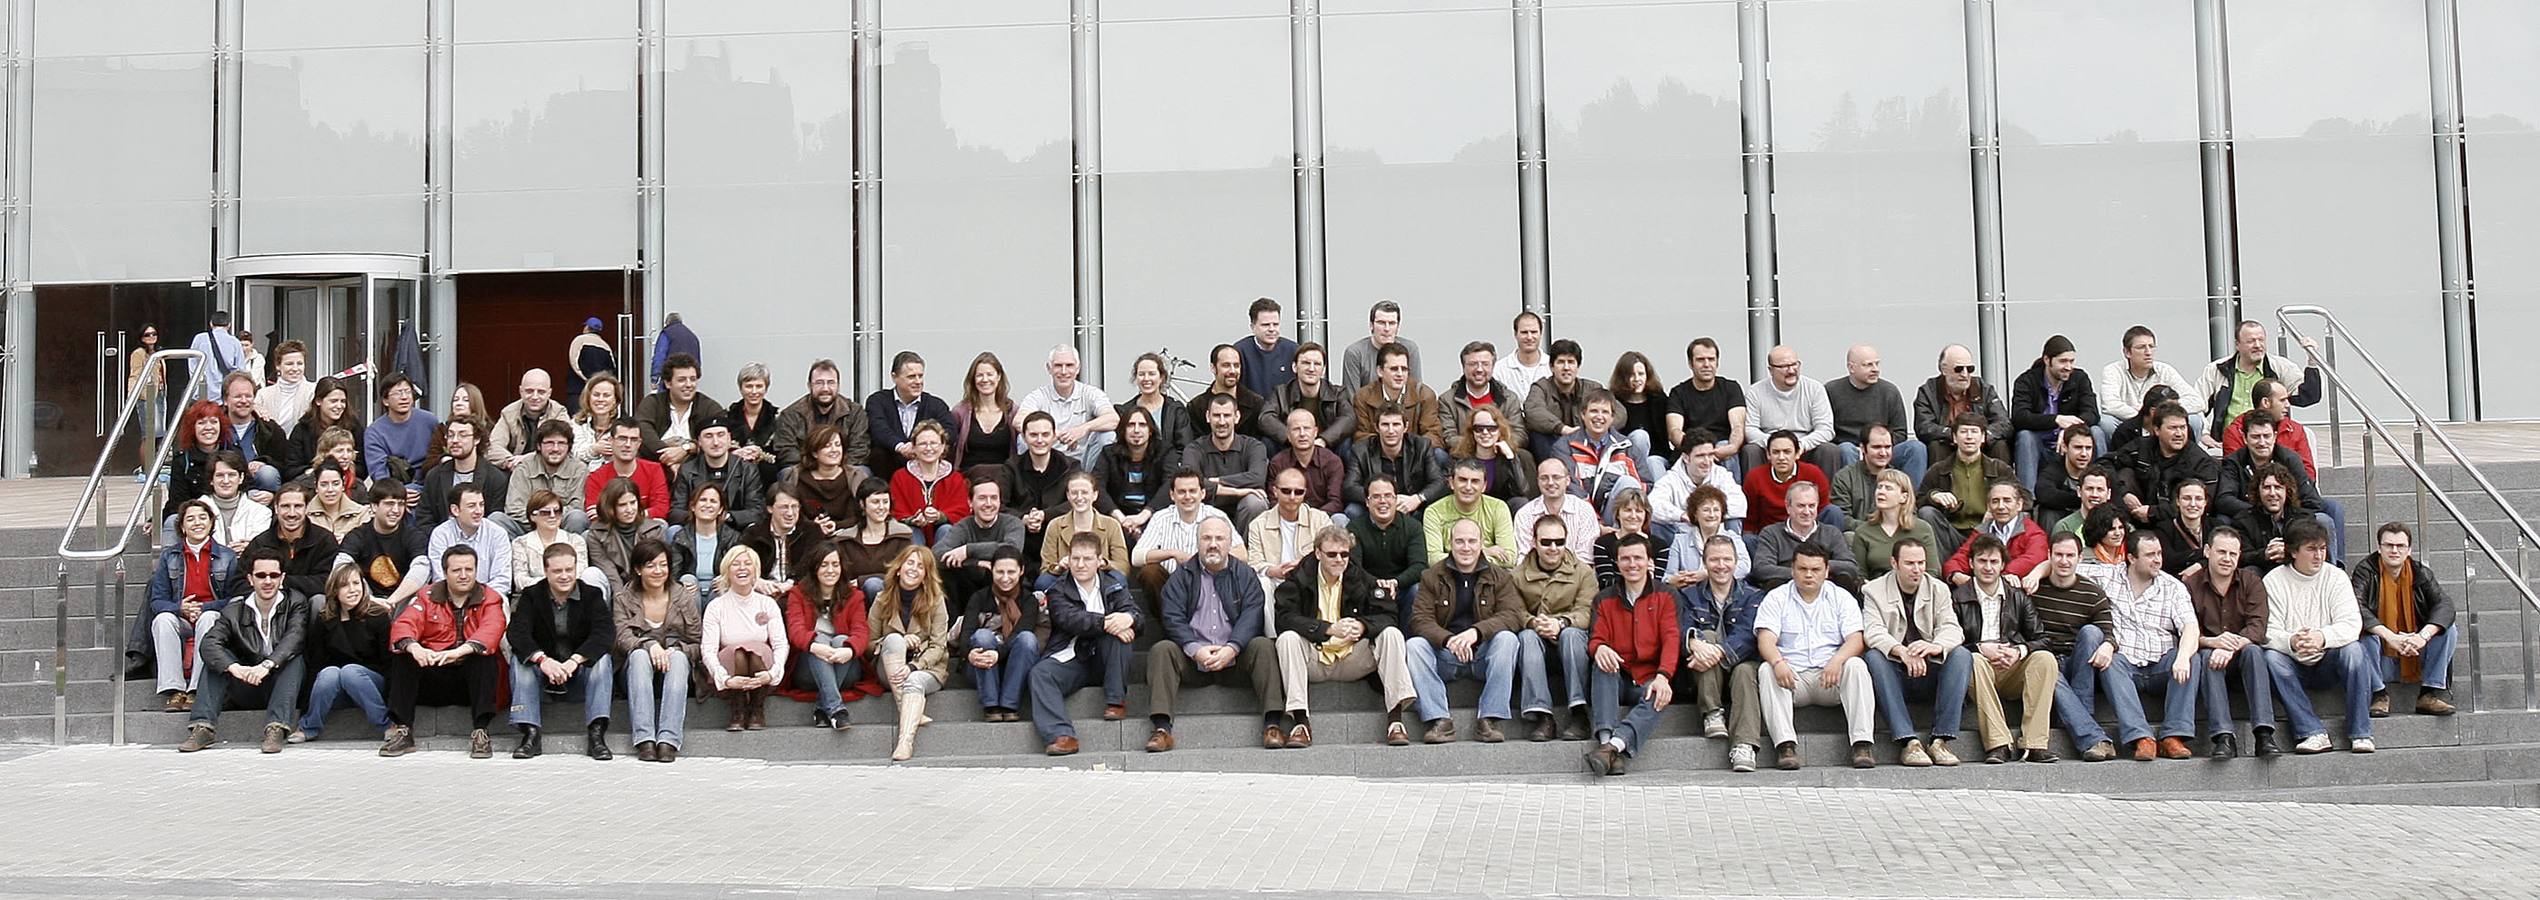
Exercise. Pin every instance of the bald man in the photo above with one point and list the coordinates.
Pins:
(518, 425)
(1861, 399)
(1954, 391)
(1789, 401)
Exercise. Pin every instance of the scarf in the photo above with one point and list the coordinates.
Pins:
(1009, 615)
(2399, 613)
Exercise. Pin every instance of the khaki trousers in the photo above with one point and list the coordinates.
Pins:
(1384, 657)
(2032, 680)
(1168, 671)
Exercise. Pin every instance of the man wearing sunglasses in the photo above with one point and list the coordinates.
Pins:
(1954, 392)
(251, 655)
(1332, 626)
(1278, 543)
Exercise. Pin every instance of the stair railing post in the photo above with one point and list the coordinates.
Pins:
(114, 656)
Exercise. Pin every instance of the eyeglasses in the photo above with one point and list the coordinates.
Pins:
(549, 511)
(1291, 492)
(1335, 554)
(1964, 370)
(262, 576)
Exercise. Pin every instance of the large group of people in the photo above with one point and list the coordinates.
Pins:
(1585, 550)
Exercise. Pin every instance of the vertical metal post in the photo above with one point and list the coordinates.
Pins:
(651, 211)
(866, 175)
(1984, 146)
(2451, 211)
(439, 292)
(2421, 485)
(1305, 80)
(1534, 238)
(2469, 632)
(1087, 105)
(2336, 407)
(114, 653)
(62, 654)
(1755, 105)
(2370, 519)
(229, 137)
(2213, 127)
(17, 250)
(2522, 620)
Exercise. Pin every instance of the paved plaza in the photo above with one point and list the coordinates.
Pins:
(146, 822)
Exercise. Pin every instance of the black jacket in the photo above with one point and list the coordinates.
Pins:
(588, 626)
(305, 562)
(683, 549)
(235, 639)
(744, 498)
(2151, 478)
(189, 476)
(1300, 601)
(300, 452)
(2259, 528)
(882, 415)
(1172, 424)
(361, 641)
(1423, 469)
(653, 414)
(2433, 607)
(2239, 477)
(1114, 469)
(1073, 625)
(440, 484)
(2028, 399)
(383, 558)
(1333, 412)
(1027, 490)
(2017, 617)
(273, 447)
(2305, 391)
(982, 613)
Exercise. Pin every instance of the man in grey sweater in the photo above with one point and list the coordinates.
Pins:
(967, 546)
(1860, 399)
(1790, 402)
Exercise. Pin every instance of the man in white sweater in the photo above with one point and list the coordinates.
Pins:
(2312, 626)
(2122, 383)
(1791, 402)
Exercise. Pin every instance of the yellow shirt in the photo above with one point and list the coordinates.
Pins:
(1330, 603)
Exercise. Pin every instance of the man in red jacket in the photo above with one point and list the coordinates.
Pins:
(626, 439)
(442, 644)
(1635, 646)
(2023, 540)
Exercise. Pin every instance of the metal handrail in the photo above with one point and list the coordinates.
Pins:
(2524, 537)
(167, 450)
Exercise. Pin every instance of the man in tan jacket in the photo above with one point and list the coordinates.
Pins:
(1916, 646)
(1559, 593)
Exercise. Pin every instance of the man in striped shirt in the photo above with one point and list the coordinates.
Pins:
(2074, 612)
(2155, 638)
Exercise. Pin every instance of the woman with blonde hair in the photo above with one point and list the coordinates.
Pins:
(743, 647)
(1892, 519)
(602, 402)
(1508, 469)
(912, 639)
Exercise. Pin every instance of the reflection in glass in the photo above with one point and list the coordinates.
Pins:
(545, 172)
(2500, 48)
(332, 154)
(124, 164)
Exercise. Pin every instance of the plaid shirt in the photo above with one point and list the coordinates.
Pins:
(2148, 624)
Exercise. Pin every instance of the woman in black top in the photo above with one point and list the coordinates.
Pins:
(1132, 470)
(2184, 532)
(330, 406)
(190, 466)
(348, 646)
(1642, 403)
(753, 422)
(1171, 418)
(1630, 509)
(1508, 470)
(1000, 636)
(2271, 511)
(983, 423)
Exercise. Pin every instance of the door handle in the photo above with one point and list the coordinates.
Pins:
(105, 373)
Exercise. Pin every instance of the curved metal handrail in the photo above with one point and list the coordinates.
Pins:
(2338, 329)
(167, 449)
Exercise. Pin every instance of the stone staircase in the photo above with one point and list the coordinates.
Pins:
(2487, 757)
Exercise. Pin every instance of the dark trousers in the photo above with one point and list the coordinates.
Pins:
(1052, 680)
(470, 681)
(279, 694)
(1168, 670)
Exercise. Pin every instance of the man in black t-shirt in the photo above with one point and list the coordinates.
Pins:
(1707, 401)
(388, 549)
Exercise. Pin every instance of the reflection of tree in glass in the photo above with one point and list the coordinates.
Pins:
(1896, 123)
(1673, 121)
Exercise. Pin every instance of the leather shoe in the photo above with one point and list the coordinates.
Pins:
(1542, 730)
(1786, 756)
(1273, 738)
(1997, 756)
(2176, 748)
(2100, 752)
(1115, 712)
(2225, 746)
(1441, 731)
(1302, 736)
(1159, 741)
(1065, 745)
(1575, 727)
(1487, 731)
(2146, 750)
(2434, 702)
(1396, 735)
(2262, 743)
(666, 753)
(596, 740)
(1862, 757)
(1601, 761)
(2043, 755)
(2380, 705)
(532, 743)
(644, 751)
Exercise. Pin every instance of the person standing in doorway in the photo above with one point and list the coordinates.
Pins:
(587, 357)
(221, 352)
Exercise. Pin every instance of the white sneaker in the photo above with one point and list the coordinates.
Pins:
(2363, 745)
(1742, 758)
(1715, 724)
(2317, 743)
(297, 737)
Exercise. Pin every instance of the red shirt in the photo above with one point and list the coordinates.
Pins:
(198, 574)
(1766, 499)
(909, 496)
(1643, 633)
(650, 484)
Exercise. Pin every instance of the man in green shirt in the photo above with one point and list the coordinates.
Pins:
(1953, 489)
(1499, 529)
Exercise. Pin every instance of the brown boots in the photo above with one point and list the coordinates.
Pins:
(749, 709)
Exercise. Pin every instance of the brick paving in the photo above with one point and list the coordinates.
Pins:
(141, 822)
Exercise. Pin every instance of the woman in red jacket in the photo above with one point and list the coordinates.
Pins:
(824, 622)
(928, 491)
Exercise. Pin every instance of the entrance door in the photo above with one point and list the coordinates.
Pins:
(349, 310)
(87, 335)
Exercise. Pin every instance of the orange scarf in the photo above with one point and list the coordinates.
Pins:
(2399, 614)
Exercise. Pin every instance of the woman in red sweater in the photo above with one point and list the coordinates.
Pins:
(928, 491)
(825, 624)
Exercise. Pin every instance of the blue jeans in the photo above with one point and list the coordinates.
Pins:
(350, 681)
(1650, 465)
(872, 585)
(2249, 667)
(825, 677)
(2030, 449)
(1912, 457)
(1052, 679)
(2077, 690)
(2332, 516)
(2438, 662)
(1945, 682)
(1403, 594)
(279, 694)
(267, 479)
(596, 680)
(1610, 694)
(1001, 685)
(2126, 683)
(2348, 667)
(658, 714)
(1494, 662)
(1532, 676)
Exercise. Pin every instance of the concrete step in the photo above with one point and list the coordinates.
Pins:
(2511, 793)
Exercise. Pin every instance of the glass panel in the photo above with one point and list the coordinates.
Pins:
(977, 206)
(1647, 197)
(2335, 177)
(760, 16)
(759, 201)
(2500, 48)
(1419, 125)
(2101, 189)
(1198, 184)
(897, 14)
(123, 167)
(332, 151)
(1343, 7)
(76, 401)
(1876, 237)
(116, 27)
(1132, 10)
(295, 24)
(545, 172)
(512, 20)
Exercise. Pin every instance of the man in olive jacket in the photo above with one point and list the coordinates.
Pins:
(1559, 593)
(1465, 625)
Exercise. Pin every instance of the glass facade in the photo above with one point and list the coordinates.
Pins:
(1039, 171)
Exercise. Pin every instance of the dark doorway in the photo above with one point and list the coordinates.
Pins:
(512, 322)
(85, 333)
